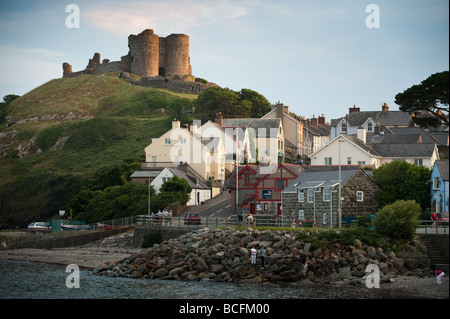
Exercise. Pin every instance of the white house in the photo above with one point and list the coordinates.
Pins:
(375, 151)
(200, 191)
(355, 119)
(179, 145)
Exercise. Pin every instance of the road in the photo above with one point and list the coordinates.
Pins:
(219, 207)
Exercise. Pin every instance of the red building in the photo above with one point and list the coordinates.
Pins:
(259, 188)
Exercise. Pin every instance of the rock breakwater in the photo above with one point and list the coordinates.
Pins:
(223, 255)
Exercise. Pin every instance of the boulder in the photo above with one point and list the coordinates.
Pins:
(345, 273)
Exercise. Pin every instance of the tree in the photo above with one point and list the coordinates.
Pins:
(180, 109)
(259, 104)
(431, 95)
(398, 220)
(246, 103)
(401, 180)
(176, 188)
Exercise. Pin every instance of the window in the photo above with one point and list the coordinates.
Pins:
(418, 161)
(324, 218)
(361, 162)
(167, 141)
(301, 197)
(328, 161)
(349, 161)
(344, 127)
(310, 195)
(326, 194)
(301, 214)
(165, 179)
(359, 196)
(266, 206)
(281, 184)
(369, 127)
(436, 183)
(183, 140)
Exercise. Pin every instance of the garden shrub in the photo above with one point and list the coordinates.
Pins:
(398, 220)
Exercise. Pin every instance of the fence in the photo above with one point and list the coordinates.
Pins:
(198, 222)
(428, 227)
(67, 230)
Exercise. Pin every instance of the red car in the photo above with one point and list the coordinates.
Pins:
(193, 218)
(442, 218)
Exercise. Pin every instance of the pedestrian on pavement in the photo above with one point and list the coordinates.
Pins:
(253, 256)
(434, 219)
(262, 254)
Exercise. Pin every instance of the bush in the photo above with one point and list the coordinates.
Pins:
(398, 220)
(150, 238)
(48, 137)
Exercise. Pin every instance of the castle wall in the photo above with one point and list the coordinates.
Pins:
(148, 56)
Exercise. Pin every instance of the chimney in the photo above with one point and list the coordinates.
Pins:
(322, 120)
(279, 110)
(378, 129)
(313, 121)
(362, 134)
(175, 124)
(385, 108)
(219, 118)
(193, 128)
(353, 109)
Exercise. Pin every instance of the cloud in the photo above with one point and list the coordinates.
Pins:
(166, 17)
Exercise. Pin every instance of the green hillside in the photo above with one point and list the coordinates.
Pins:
(59, 134)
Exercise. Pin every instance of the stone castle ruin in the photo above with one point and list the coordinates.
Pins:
(163, 62)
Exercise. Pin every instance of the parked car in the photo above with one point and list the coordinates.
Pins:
(193, 218)
(442, 219)
(40, 227)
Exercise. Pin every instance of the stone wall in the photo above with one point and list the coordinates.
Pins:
(326, 213)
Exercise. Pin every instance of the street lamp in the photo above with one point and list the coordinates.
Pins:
(340, 194)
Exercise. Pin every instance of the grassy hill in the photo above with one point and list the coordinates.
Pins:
(62, 132)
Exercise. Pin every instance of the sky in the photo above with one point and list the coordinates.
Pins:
(317, 57)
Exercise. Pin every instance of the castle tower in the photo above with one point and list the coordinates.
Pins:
(174, 56)
(144, 53)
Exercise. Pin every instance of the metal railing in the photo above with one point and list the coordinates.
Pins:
(232, 221)
(431, 227)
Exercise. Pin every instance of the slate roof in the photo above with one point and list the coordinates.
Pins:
(314, 179)
(404, 150)
(443, 169)
(389, 118)
(254, 123)
(193, 181)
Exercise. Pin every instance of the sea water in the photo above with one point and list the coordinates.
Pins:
(32, 280)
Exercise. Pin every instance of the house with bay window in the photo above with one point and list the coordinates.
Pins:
(314, 195)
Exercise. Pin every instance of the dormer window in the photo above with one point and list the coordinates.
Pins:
(344, 127)
(369, 127)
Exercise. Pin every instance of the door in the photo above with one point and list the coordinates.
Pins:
(252, 208)
(279, 209)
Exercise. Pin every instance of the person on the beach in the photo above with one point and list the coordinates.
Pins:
(303, 262)
(439, 274)
(253, 256)
(262, 254)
